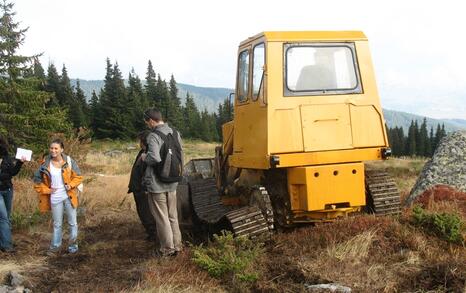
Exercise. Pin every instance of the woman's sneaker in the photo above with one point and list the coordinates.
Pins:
(73, 248)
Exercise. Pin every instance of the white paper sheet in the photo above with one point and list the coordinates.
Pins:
(23, 153)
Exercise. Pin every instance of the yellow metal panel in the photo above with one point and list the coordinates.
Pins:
(287, 36)
(326, 187)
(243, 160)
(366, 134)
(330, 157)
(250, 137)
(286, 136)
(326, 127)
(227, 134)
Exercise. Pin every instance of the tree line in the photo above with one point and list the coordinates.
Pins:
(35, 103)
(419, 141)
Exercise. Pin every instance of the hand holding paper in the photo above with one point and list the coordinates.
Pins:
(23, 154)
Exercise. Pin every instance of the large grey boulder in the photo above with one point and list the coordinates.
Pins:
(446, 167)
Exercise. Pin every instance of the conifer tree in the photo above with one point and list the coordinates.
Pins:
(24, 119)
(79, 108)
(174, 106)
(65, 91)
(423, 139)
(162, 96)
(95, 112)
(52, 85)
(138, 101)
(192, 118)
(151, 86)
(411, 141)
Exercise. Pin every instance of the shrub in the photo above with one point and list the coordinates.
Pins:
(448, 226)
(229, 256)
(20, 220)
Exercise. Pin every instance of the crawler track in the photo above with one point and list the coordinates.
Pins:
(383, 197)
(209, 210)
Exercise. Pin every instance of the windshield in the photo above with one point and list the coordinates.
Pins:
(321, 68)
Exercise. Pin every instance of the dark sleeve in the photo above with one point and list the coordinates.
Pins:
(4, 176)
(15, 168)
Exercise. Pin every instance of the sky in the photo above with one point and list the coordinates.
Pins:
(417, 47)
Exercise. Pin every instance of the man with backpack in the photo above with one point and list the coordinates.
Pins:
(164, 171)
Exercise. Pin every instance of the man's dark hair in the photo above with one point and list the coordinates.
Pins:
(142, 136)
(153, 114)
(3, 147)
(58, 141)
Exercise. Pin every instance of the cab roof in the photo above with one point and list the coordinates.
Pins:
(294, 36)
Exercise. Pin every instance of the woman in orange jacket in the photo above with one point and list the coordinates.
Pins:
(56, 181)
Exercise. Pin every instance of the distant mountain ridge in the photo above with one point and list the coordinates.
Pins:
(209, 98)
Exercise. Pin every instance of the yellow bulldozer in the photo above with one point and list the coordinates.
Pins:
(307, 116)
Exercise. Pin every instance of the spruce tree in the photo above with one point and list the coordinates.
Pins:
(52, 85)
(95, 113)
(411, 141)
(137, 101)
(174, 105)
(423, 139)
(24, 118)
(65, 91)
(151, 86)
(192, 118)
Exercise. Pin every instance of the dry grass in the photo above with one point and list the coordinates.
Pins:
(355, 248)
(366, 253)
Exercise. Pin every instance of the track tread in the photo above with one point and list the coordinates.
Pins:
(382, 192)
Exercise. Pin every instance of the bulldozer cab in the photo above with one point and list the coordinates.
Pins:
(305, 98)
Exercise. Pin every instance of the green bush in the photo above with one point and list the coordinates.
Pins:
(228, 256)
(21, 221)
(448, 226)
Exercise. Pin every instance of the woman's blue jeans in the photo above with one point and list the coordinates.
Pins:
(57, 215)
(6, 201)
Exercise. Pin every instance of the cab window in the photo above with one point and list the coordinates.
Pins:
(258, 69)
(321, 69)
(243, 76)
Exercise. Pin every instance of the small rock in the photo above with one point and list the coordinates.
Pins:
(113, 153)
(4, 289)
(332, 287)
(131, 148)
(15, 279)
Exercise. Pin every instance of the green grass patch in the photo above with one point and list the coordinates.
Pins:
(448, 226)
(21, 221)
(230, 257)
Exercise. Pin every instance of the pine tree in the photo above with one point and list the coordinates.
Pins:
(24, 117)
(411, 140)
(95, 113)
(192, 118)
(65, 91)
(151, 86)
(138, 101)
(162, 96)
(430, 144)
(174, 106)
(52, 85)
(423, 139)
(79, 108)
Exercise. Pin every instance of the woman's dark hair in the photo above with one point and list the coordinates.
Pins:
(153, 114)
(58, 141)
(142, 136)
(3, 147)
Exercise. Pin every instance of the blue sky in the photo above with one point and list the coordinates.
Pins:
(417, 46)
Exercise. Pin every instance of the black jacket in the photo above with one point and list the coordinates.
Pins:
(8, 168)
(137, 173)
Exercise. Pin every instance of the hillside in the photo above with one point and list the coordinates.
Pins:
(209, 98)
